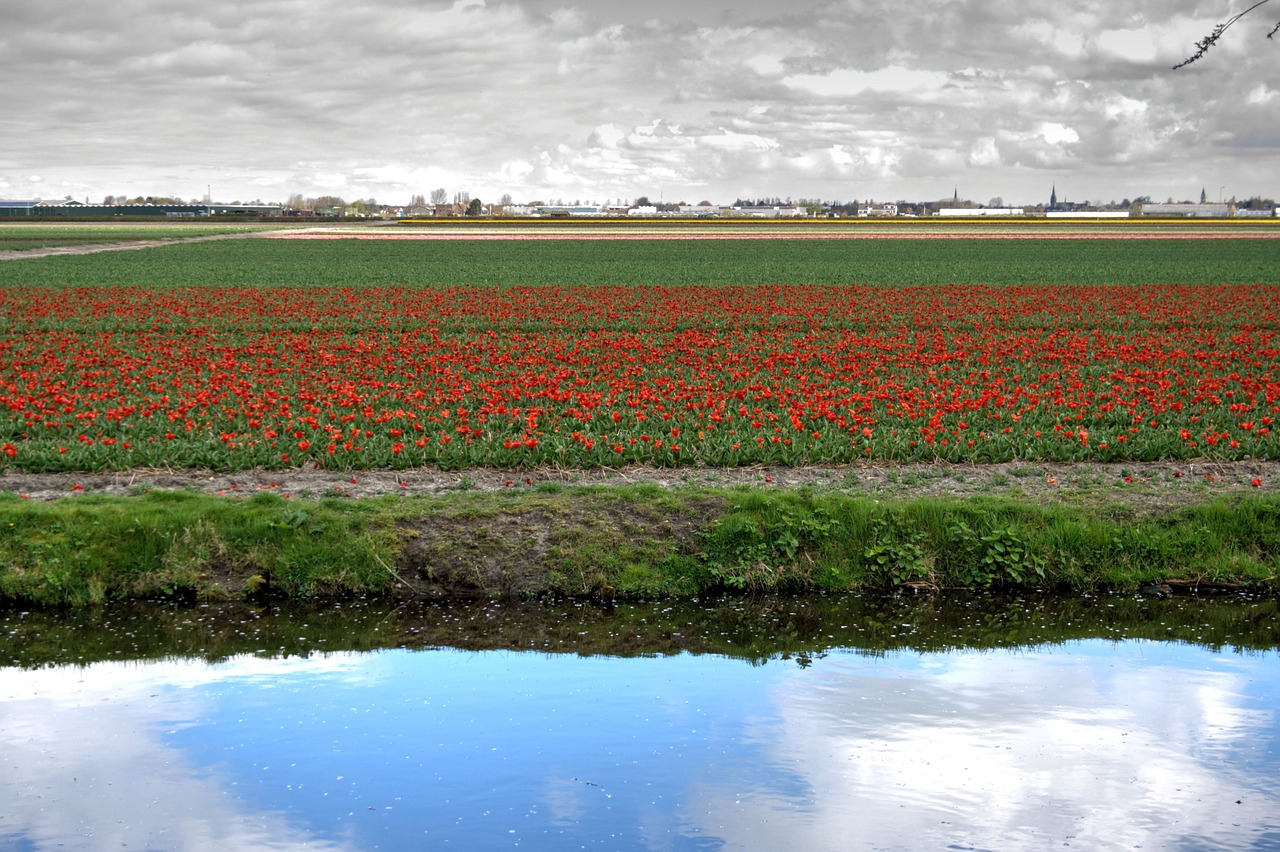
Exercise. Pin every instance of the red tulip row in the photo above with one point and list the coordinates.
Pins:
(230, 378)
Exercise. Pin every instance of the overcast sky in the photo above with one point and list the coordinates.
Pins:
(683, 100)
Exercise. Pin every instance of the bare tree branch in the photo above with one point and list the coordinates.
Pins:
(1203, 45)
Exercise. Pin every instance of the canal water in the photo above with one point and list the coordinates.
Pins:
(809, 723)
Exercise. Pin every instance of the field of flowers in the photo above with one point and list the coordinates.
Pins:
(393, 355)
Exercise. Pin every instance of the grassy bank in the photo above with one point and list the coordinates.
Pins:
(638, 541)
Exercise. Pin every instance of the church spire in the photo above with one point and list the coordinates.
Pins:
(1053, 198)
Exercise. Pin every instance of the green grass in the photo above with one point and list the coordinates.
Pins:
(626, 542)
(172, 543)
(355, 263)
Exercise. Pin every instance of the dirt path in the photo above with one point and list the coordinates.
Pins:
(1146, 488)
(94, 248)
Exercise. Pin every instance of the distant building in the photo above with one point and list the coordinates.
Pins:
(980, 211)
(1086, 214)
(554, 211)
(1189, 211)
(241, 209)
(769, 212)
(77, 210)
(571, 210)
(17, 208)
(880, 212)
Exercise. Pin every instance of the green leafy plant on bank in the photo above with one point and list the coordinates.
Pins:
(999, 556)
(896, 552)
(766, 542)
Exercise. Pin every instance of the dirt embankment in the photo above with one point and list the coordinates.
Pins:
(578, 532)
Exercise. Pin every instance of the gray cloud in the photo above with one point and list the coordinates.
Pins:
(845, 98)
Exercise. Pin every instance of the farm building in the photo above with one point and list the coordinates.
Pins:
(1192, 211)
(16, 208)
(1087, 214)
(77, 210)
(980, 211)
(770, 212)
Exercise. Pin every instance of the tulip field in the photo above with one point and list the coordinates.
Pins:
(346, 354)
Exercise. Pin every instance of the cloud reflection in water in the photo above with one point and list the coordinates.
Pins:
(1096, 744)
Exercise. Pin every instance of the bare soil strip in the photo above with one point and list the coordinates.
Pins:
(126, 244)
(1143, 487)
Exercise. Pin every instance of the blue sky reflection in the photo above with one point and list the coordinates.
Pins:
(1097, 744)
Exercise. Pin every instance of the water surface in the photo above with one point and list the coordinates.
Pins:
(1108, 741)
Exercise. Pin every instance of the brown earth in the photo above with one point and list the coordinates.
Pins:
(1145, 487)
(515, 551)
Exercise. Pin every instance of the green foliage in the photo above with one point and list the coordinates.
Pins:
(613, 543)
(896, 552)
(766, 542)
(998, 556)
(183, 545)
(645, 263)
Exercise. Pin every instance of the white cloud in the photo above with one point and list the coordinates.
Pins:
(734, 97)
(846, 82)
(1069, 43)
(1057, 134)
(984, 152)
(1120, 107)
(839, 156)
(765, 64)
(513, 173)
(1260, 94)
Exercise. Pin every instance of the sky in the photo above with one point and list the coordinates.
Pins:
(609, 100)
